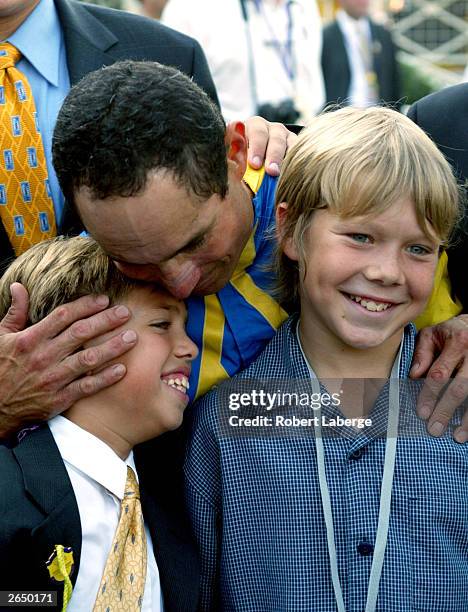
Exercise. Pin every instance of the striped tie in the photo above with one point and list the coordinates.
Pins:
(26, 207)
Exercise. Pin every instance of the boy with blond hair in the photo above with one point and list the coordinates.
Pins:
(71, 522)
(320, 489)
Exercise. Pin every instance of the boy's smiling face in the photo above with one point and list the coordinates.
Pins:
(366, 277)
(152, 396)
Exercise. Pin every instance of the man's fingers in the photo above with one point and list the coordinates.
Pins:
(64, 316)
(17, 315)
(454, 396)
(267, 143)
(257, 134)
(88, 329)
(280, 139)
(438, 376)
(89, 385)
(94, 358)
(461, 432)
(424, 352)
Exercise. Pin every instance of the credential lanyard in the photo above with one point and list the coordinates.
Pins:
(286, 56)
(385, 491)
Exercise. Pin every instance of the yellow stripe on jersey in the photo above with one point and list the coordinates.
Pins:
(213, 334)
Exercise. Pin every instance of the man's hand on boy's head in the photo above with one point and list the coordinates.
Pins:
(450, 339)
(42, 372)
(267, 143)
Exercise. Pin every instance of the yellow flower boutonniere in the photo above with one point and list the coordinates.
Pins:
(60, 565)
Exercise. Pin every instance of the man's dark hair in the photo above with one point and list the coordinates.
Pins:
(119, 123)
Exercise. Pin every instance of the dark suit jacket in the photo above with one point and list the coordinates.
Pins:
(96, 36)
(444, 116)
(337, 72)
(38, 510)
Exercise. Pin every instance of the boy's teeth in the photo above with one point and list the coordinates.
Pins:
(369, 304)
(180, 383)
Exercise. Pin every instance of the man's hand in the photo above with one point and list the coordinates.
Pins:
(267, 142)
(41, 374)
(450, 339)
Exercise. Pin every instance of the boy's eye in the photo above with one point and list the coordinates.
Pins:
(161, 325)
(363, 238)
(419, 249)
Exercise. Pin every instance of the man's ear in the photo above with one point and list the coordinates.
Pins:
(288, 245)
(236, 144)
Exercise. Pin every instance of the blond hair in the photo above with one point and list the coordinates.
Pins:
(61, 270)
(360, 162)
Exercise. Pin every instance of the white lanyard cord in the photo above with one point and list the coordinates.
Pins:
(385, 491)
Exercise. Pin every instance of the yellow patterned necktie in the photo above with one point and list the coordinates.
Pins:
(123, 581)
(26, 207)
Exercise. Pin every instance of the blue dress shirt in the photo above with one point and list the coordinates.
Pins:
(44, 62)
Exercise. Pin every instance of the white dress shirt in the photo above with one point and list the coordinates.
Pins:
(221, 30)
(360, 93)
(98, 477)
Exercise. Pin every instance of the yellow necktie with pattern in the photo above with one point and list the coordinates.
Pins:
(26, 207)
(123, 582)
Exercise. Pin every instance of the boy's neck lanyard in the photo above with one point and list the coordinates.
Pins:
(385, 492)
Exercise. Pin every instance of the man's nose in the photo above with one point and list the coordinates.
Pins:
(179, 278)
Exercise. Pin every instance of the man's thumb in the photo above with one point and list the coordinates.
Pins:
(17, 315)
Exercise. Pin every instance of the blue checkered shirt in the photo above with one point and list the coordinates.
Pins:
(255, 505)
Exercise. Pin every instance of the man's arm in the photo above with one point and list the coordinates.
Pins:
(442, 350)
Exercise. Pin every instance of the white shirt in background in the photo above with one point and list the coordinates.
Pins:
(360, 93)
(98, 477)
(219, 27)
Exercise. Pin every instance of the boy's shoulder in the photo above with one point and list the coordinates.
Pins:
(26, 466)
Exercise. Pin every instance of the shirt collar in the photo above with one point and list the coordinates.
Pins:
(91, 455)
(290, 337)
(349, 23)
(42, 24)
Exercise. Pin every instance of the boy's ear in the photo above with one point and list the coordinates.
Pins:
(236, 144)
(288, 244)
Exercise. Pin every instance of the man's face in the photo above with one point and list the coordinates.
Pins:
(356, 8)
(169, 236)
(19, 8)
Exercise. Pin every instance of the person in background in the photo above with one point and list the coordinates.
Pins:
(264, 55)
(359, 59)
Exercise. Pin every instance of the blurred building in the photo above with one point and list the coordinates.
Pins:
(431, 34)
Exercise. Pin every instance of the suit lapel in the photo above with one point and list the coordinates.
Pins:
(86, 39)
(344, 81)
(46, 481)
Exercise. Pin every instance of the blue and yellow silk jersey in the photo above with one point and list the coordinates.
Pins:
(232, 326)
